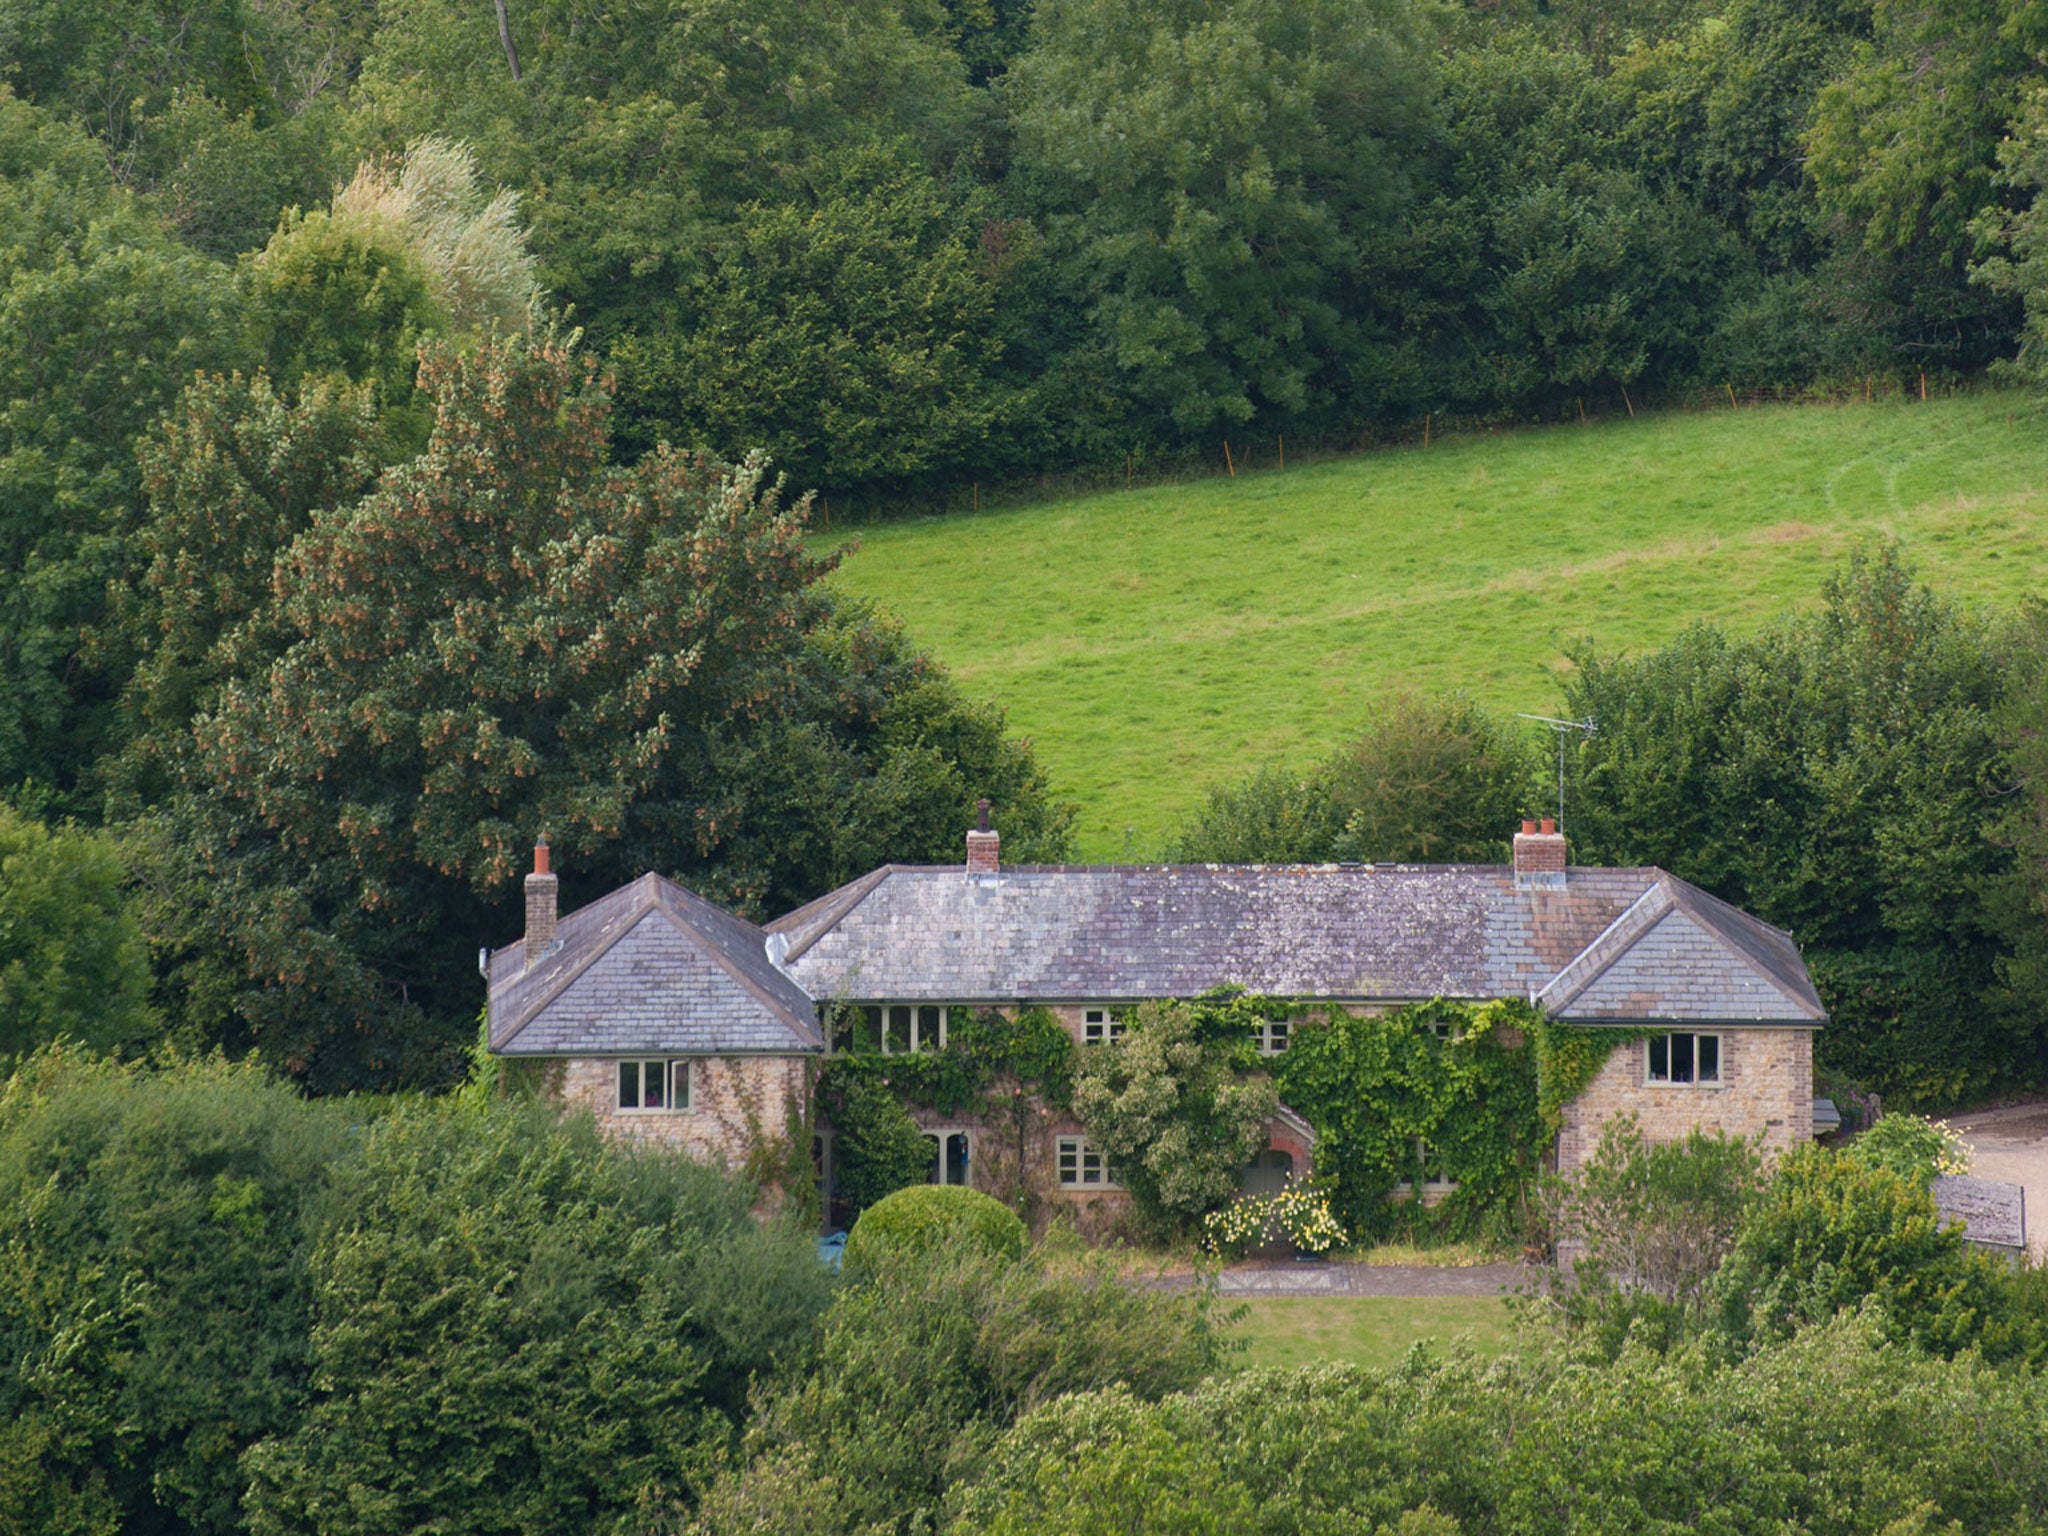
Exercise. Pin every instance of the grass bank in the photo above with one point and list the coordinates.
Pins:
(1375, 1331)
(1155, 641)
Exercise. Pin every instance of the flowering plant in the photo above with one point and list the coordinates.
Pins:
(1300, 1213)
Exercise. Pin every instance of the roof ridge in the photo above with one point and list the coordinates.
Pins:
(860, 890)
(1598, 957)
(712, 950)
(637, 909)
(1721, 916)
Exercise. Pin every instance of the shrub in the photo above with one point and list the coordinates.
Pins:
(156, 1231)
(73, 964)
(1654, 1224)
(1300, 1213)
(515, 1327)
(1433, 779)
(917, 1221)
(1835, 1433)
(877, 1148)
(924, 1367)
(1830, 1233)
(1175, 1107)
(1912, 1146)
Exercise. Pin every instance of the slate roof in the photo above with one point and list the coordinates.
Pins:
(1678, 953)
(649, 967)
(1612, 946)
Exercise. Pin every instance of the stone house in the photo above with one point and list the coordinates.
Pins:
(671, 1020)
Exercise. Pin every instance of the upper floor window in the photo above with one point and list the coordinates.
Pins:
(894, 1029)
(1099, 1026)
(654, 1084)
(1686, 1059)
(1270, 1036)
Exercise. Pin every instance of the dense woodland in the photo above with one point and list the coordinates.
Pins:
(398, 400)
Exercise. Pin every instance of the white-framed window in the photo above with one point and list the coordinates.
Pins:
(654, 1084)
(1686, 1058)
(1444, 1029)
(1082, 1167)
(1270, 1036)
(1099, 1026)
(894, 1029)
(1434, 1179)
(952, 1157)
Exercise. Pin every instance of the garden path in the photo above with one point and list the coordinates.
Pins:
(1286, 1278)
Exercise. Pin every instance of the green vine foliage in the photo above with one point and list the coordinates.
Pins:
(989, 1056)
(1445, 1084)
(1568, 1057)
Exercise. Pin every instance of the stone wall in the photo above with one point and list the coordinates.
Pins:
(735, 1101)
(1766, 1087)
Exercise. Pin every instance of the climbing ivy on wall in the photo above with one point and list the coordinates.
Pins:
(1456, 1079)
(1474, 1090)
(994, 1067)
(1568, 1057)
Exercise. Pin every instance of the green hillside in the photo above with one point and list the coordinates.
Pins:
(1154, 641)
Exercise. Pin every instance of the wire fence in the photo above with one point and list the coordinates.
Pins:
(1258, 453)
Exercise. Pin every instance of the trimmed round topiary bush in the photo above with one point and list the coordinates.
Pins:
(933, 1216)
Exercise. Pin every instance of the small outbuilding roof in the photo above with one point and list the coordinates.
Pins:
(650, 967)
(1993, 1213)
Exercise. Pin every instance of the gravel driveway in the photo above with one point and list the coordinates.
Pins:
(2012, 1144)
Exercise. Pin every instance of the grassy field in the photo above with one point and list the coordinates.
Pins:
(1373, 1331)
(1155, 641)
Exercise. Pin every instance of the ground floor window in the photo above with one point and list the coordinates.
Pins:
(952, 1155)
(1685, 1059)
(1100, 1027)
(1431, 1162)
(1082, 1167)
(654, 1084)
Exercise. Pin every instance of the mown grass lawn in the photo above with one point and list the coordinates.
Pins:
(1372, 1331)
(1155, 641)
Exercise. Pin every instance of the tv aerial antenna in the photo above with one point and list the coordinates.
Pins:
(1563, 729)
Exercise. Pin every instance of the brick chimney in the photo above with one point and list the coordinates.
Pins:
(1539, 855)
(983, 844)
(541, 888)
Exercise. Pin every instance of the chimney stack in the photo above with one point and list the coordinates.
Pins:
(983, 844)
(1539, 856)
(541, 887)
